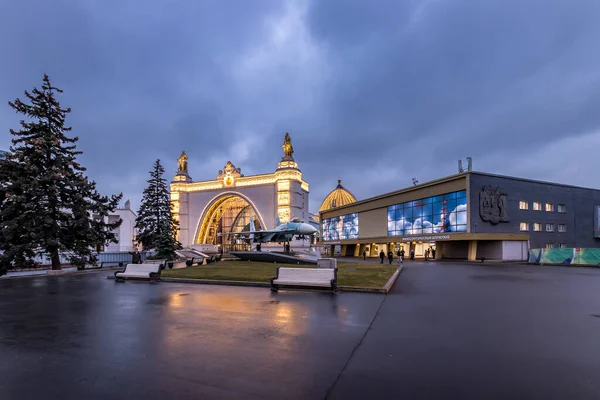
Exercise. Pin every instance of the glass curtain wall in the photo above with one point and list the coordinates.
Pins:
(437, 214)
(340, 228)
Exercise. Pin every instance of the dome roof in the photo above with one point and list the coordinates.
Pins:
(340, 196)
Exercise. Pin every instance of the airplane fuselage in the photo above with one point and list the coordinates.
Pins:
(300, 228)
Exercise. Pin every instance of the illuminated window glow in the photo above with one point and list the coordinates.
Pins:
(340, 228)
(443, 213)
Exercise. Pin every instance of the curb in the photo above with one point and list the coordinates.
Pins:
(392, 280)
(63, 272)
(207, 282)
(214, 282)
(358, 289)
(386, 288)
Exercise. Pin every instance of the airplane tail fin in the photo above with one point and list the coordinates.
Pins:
(252, 228)
(277, 220)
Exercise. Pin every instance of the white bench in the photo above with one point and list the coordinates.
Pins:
(305, 277)
(139, 271)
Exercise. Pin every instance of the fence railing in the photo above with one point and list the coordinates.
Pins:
(119, 257)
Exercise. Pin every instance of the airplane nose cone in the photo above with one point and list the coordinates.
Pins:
(311, 229)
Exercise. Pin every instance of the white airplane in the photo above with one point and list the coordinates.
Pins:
(282, 233)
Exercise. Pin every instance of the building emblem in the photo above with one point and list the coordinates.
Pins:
(229, 173)
(493, 205)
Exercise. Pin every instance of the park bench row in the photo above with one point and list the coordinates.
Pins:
(286, 277)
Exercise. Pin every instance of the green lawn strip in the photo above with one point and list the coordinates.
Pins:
(349, 274)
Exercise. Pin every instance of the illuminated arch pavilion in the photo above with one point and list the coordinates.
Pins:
(206, 208)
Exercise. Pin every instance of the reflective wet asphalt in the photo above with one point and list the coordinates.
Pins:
(445, 331)
(482, 331)
(86, 337)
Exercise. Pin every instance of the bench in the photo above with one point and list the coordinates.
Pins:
(139, 271)
(305, 277)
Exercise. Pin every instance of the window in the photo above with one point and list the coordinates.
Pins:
(537, 206)
(549, 245)
(562, 227)
(523, 205)
(562, 208)
(549, 207)
(549, 227)
(562, 245)
(524, 226)
(342, 227)
(443, 213)
(537, 227)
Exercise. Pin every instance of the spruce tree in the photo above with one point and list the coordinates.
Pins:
(157, 229)
(48, 206)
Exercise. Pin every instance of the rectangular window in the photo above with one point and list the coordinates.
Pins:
(524, 226)
(537, 206)
(562, 227)
(549, 245)
(537, 227)
(549, 207)
(523, 205)
(562, 245)
(562, 208)
(549, 227)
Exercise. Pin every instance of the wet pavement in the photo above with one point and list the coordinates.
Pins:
(449, 331)
(445, 331)
(86, 337)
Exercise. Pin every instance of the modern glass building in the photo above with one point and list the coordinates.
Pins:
(471, 215)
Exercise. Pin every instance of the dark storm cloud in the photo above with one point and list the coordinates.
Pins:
(374, 92)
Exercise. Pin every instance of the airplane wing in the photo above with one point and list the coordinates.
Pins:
(272, 235)
(263, 236)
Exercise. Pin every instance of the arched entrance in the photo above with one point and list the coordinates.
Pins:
(229, 212)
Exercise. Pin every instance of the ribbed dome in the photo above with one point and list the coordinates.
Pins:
(340, 196)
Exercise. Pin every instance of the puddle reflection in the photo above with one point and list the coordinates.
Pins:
(224, 321)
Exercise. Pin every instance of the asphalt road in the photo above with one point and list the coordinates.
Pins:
(482, 332)
(445, 331)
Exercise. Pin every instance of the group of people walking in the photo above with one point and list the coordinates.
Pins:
(430, 253)
(390, 256)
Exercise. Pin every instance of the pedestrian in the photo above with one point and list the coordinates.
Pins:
(364, 254)
(381, 256)
(136, 257)
(412, 254)
(401, 256)
(390, 257)
(433, 253)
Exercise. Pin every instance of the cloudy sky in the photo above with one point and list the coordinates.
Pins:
(374, 92)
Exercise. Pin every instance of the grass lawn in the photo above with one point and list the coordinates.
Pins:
(349, 273)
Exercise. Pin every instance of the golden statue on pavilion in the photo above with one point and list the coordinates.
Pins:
(182, 165)
(288, 150)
